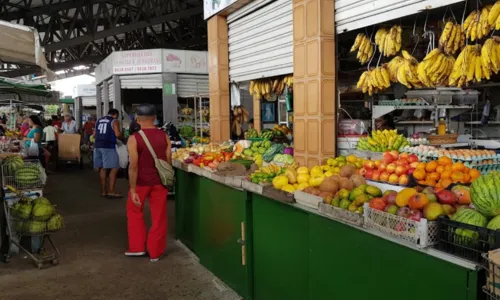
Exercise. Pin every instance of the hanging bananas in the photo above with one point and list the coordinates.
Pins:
(435, 68)
(452, 38)
(477, 24)
(393, 66)
(490, 56)
(468, 67)
(240, 116)
(268, 87)
(407, 73)
(364, 47)
(374, 81)
(389, 41)
(494, 16)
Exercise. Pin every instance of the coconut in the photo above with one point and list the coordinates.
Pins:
(329, 185)
(357, 180)
(347, 171)
(346, 183)
(315, 192)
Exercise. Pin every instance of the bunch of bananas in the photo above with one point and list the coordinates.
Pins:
(205, 112)
(468, 67)
(407, 73)
(364, 47)
(380, 141)
(187, 111)
(452, 38)
(389, 41)
(392, 67)
(240, 115)
(268, 87)
(373, 81)
(490, 56)
(494, 16)
(477, 25)
(435, 68)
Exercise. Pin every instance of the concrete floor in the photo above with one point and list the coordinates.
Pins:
(92, 264)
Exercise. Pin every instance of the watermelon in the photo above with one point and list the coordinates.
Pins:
(471, 217)
(485, 194)
(494, 224)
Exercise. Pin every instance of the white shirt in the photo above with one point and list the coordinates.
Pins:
(50, 133)
(69, 128)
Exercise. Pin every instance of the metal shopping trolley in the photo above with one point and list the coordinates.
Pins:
(30, 217)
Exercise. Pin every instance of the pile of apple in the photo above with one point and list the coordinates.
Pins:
(418, 203)
(393, 168)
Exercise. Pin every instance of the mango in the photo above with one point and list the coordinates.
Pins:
(374, 191)
(363, 198)
(355, 193)
(404, 196)
(343, 194)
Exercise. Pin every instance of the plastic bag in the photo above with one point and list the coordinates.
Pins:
(122, 155)
(33, 150)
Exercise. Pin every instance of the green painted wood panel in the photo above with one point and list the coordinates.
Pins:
(346, 263)
(281, 250)
(222, 212)
(187, 209)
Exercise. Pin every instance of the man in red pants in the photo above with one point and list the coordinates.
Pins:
(145, 183)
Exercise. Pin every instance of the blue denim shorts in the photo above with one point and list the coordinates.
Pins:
(106, 158)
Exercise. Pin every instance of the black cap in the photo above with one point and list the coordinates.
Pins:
(146, 109)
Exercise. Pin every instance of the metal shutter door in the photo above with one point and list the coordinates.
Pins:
(143, 81)
(89, 101)
(111, 91)
(354, 14)
(101, 90)
(261, 42)
(189, 85)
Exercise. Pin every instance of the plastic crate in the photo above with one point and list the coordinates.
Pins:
(340, 214)
(492, 286)
(467, 97)
(469, 245)
(421, 233)
(306, 199)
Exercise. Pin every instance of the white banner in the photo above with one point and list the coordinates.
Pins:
(137, 62)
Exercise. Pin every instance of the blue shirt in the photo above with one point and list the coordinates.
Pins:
(31, 135)
(104, 134)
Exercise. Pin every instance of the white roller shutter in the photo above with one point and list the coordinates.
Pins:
(189, 85)
(101, 90)
(89, 101)
(354, 14)
(143, 81)
(261, 42)
(111, 91)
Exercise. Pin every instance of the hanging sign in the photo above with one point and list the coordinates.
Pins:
(137, 62)
(212, 7)
(196, 62)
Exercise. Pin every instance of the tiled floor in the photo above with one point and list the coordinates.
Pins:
(93, 266)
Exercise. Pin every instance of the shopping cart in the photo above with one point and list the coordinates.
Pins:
(28, 220)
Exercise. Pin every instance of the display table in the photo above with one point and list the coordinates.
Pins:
(292, 252)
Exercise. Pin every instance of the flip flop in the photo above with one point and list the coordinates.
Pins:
(114, 196)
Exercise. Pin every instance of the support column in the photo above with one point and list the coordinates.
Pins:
(170, 103)
(314, 70)
(117, 92)
(105, 100)
(218, 68)
(98, 103)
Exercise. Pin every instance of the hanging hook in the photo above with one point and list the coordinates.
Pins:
(465, 10)
(444, 16)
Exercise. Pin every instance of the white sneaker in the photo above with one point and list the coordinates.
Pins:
(135, 254)
(155, 259)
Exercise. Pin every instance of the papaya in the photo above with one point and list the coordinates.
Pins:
(403, 197)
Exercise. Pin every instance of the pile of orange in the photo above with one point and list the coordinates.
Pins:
(443, 172)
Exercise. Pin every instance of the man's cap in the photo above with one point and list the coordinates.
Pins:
(146, 110)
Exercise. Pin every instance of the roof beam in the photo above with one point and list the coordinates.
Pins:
(122, 29)
(47, 9)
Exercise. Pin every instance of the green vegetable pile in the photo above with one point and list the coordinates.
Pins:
(187, 131)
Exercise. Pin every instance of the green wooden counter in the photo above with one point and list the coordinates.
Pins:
(294, 253)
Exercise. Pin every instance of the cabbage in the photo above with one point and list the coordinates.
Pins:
(42, 211)
(283, 158)
(37, 227)
(55, 223)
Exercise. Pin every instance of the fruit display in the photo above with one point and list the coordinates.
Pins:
(35, 216)
(415, 142)
(382, 140)
(485, 194)
(187, 111)
(477, 24)
(373, 81)
(389, 40)
(435, 68)
(281, 130)
(452, 38)
(394, 168)
(354, 200)
(490, 56)
(257, 148)
(267, 134)
(443, 172)
(468, 67)
(407, 71)
(187, 131)
(269, 86)
(251, 133)
(364, 46)
(267, 174)
(272, 151)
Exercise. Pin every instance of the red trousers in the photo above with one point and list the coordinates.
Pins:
(157, 236)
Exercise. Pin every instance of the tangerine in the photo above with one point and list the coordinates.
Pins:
(431, 166)
(447, 168)
(474, 173)
(434, 176)
(457, 177)
(444, 161)
(420, 165)
(430, 182)
(419, 174)
(445, 183)
(458, 167)
(466, 170)
(446, 174)
(466, 178)
(440, 169)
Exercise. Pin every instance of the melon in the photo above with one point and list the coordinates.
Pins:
(494, 224)
(471, 217)
(485, 194)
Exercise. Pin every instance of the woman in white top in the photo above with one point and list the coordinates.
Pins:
(69, 125)
(49, 133)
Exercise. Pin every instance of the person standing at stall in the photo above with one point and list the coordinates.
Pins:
(35, 135)
(69, 125)
(106, 133)
(145, 183)
(88, 129)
